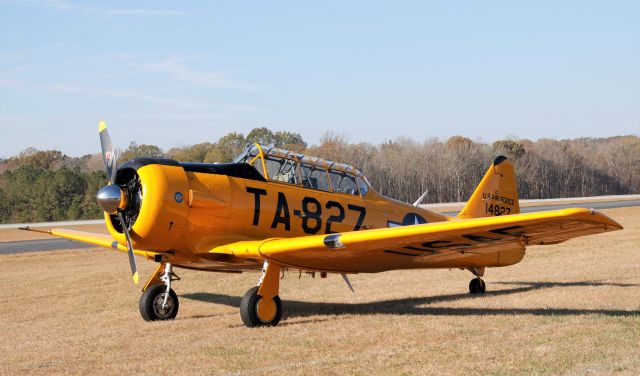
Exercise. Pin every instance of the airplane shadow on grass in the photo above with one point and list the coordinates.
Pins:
(419, 306)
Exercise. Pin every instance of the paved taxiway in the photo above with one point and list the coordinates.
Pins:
(57, 243)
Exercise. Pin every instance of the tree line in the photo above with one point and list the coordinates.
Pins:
(450, 170)
(37, 185)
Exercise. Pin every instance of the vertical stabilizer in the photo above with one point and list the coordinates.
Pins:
(497, 193)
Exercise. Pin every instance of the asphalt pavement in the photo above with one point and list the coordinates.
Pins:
(58, 243)
(41, 245)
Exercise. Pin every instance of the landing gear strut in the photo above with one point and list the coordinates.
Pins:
(477, 285)
(159, 301)
(261, 305)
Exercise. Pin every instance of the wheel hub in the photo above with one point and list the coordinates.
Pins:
(266, 310)
(158, 303)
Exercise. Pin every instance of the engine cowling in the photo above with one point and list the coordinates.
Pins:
(157, 207)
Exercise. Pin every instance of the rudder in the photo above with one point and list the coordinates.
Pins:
(497, 193)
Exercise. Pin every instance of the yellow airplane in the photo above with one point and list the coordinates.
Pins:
(274, 209)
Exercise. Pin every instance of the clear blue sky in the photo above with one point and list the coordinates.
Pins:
(176, 73)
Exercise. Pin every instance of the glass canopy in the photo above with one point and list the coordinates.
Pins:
(310, 172)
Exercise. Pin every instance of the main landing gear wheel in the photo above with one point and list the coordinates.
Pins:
(153, 306)
(256, 311)
(477, 286)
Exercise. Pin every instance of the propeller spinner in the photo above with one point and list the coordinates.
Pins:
(112, 198)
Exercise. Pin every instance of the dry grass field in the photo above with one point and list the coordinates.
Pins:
(572, 308)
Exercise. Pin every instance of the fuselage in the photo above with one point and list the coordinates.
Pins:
(186, 210)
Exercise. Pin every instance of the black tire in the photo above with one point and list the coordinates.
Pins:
(249, 309)
(151, 304)
(477, 286)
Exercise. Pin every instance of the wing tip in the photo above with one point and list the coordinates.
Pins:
(609, 223)
(29, 228)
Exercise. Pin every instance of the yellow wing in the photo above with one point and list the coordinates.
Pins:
(456, 243)
(101, 240)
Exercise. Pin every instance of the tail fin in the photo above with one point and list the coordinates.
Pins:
(497, 193)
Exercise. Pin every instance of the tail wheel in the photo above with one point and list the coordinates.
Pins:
(256, 311)
(477, 286)
(153, 307)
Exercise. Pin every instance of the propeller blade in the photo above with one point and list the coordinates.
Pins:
(132, 258)
(108, 152)
(109, 159)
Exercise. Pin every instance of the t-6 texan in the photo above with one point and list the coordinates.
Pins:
(273, 209)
